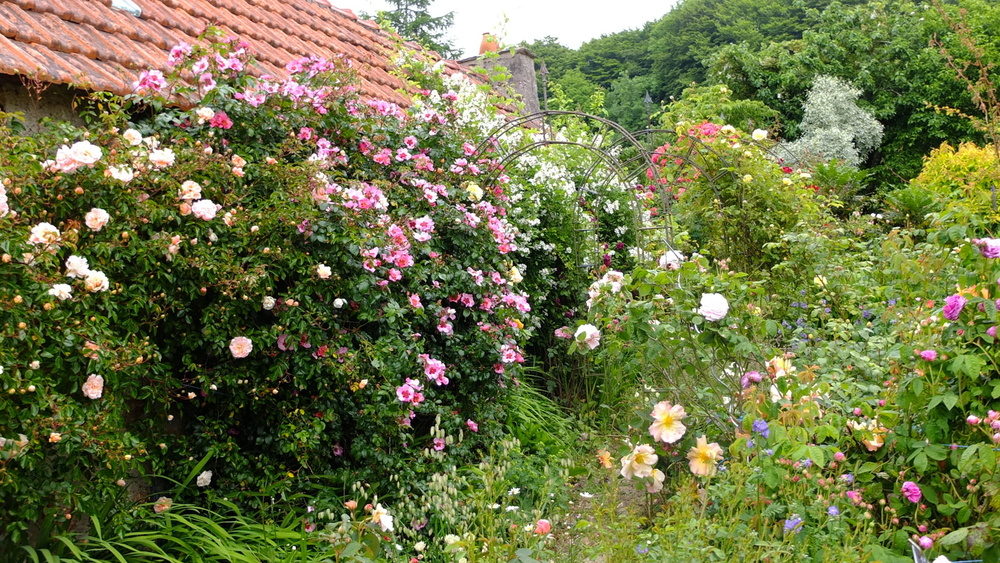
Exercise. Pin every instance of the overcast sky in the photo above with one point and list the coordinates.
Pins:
(572, 22)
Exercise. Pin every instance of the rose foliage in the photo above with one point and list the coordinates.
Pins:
(284, 276)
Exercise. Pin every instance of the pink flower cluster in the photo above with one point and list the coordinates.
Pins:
(511, 353)
(410, 392)
(363, 196)
(70, 158)
(434, 369)
(445, 317)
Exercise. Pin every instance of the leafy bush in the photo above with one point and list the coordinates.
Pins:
(962, 181)
(286, 275)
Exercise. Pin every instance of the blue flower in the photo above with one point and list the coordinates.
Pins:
(641, 549)
(749, 443)
(768, 451)
(807, 463)
(793, 524)
(760, 427)
(833, 511)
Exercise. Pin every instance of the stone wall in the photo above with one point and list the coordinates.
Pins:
(520, 63)
(35, 102)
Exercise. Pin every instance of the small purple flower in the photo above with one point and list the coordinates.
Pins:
(750, 444)
(768, 451)
(953, 305)
(925, 542)
(793, 524)
(911, 491)
(833, 511)
(929, 355)
(992, 331)
(760, 427)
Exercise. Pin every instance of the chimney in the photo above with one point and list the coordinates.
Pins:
(520, 63)
(489, 44)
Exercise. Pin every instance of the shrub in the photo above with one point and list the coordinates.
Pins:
(293, 278)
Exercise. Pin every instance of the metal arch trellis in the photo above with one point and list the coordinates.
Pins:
(629, 157)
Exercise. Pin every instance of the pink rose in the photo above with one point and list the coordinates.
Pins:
(911, 491)
(162, 504)
(543, 527)
(241, 346)
(93, 388)
(204, 209)
(96, 218)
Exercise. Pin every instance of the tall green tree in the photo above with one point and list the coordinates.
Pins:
(557, 57)
(412, 21)
(626, 102)
(605, 59)
(686, 36)
(883, 49)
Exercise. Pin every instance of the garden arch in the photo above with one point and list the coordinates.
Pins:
(623, 160)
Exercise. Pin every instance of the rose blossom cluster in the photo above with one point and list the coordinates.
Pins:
(70, 158)
(78, 267)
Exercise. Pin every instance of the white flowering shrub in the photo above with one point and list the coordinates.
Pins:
(834, 127)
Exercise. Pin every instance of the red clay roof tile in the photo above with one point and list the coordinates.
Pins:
(89, 42)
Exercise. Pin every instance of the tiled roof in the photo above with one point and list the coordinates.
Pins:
(91, 44)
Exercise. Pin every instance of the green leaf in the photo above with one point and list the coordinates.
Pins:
(950, 400)
(967, 364)
(920, 462)
(771, 327)
(955, 536)
(968, 458)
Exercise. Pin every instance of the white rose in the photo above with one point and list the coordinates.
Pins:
(514, 275)
(96, 281)
(85, 152)
(77, 267)
(44, 233)
(190, 190)
(133, 137)
(120, 173)
(588, 335)
(268, 303)
(339, 303)
(324, 272)
(204, 479)
(162, 158)
(759, 134)
(671, 260)
(204, 114)
(713, 306)
(93, 388)
(62, 291)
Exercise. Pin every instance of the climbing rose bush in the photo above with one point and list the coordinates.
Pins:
(285, 278)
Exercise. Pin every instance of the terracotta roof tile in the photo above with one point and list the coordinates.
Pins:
(89, 42)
